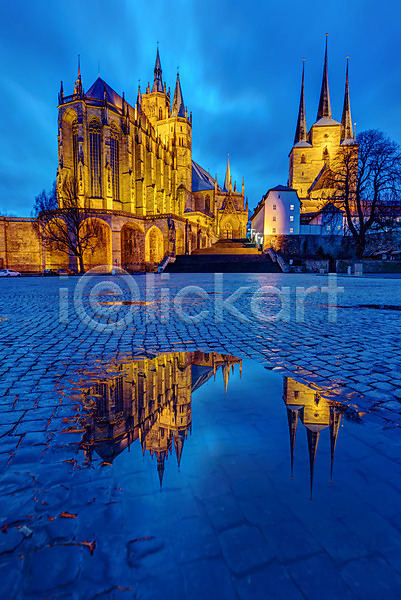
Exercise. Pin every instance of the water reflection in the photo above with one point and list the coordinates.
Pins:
(316, 412)
(148, 399)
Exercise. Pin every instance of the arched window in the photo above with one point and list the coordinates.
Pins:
(207, 203)
(303, 158)
(95, 142)
(326, 156)
(75, 148)
(115, 162)
(160, 113)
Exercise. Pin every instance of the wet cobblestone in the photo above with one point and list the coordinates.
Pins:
(98, 521)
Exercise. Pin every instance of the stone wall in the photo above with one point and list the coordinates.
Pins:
(369, 266)
(304, 245)
(20, 247)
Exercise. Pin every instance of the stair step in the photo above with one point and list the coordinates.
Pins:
(223, 263)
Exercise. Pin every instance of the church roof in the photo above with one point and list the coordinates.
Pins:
(96, 92)
(201, 179)
(281, 188)
(325, 122)
(302, 145)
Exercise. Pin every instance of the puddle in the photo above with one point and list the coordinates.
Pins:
(165, 469)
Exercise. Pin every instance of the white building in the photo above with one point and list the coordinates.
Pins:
(278, 213)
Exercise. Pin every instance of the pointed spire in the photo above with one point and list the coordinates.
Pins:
(227, 181)
(78, 84)
(139, 99)
(161, 457)
(226, 376)
(158, 83)
(178, 101)
(292, 416)
(335, 420)
(346, 121)
(61, 94)
(324, 109)
(179, 445)
(313, 440)
(243, 186)
(301, 131)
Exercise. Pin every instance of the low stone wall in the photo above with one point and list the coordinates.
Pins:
(369, 266)
(304, 245)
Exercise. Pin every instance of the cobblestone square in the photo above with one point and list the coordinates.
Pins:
(106, 495)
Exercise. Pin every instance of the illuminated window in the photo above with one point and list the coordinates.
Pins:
(114, 161)
(328, 227)
(274, 230)
(75, 147)
(95, 143)
(291, 218)
(274, 218)
(339, 227)
(291, 230)
(291, 207)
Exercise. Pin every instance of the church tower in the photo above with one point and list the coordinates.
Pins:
(312, 151)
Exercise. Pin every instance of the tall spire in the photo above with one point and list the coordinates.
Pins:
(226, 376)
(313, 434)
(335, 420)
(158, 83)
(178, 102)
(227, 181)
(78, 84)
(139, 99)
(292, 415)
(324, 109)
(301, 131)
(346, 121)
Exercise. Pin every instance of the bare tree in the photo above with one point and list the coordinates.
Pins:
(365, 179)
(67, 227)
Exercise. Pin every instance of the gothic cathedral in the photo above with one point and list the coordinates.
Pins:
(312, 151)
(133, 167)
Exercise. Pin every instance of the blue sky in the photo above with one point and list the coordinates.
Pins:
(240, 67)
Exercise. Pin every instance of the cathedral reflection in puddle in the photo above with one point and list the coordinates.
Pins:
(149, 399)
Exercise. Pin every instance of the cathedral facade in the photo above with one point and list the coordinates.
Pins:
(313, 149)
(134, 169)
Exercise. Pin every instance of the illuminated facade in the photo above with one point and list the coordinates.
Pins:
(312, 150)
(148, 399)
(135, 162)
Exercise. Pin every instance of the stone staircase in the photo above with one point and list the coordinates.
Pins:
(226, 256)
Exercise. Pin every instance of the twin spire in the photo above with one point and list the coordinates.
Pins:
(178, 109)
(324, 110)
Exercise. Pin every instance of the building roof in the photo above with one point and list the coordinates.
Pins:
(325, 122)
(201, 179)
(96, 92)
(281, 188)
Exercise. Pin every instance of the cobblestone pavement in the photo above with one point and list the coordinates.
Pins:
(45, 347)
